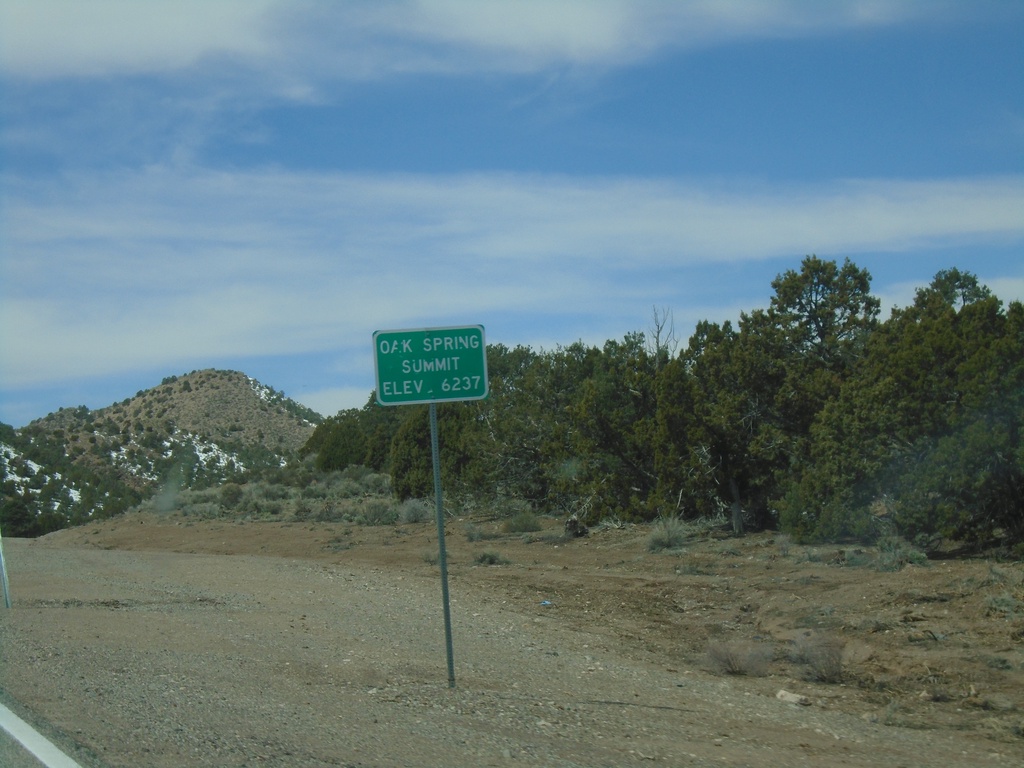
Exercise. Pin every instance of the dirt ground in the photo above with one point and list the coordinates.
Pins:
(163, 641)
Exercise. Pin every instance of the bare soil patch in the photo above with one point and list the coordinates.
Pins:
(162, 641)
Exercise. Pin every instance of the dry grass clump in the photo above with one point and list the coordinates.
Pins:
(822, 654)
(510, 507)
(670, 533)
(784, 544)
(522, 522)
(1005, 605)
(377, 511)
(895, 553)
(739, 657)
(415, 511)
(667, 533)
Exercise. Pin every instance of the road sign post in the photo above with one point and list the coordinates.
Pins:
(4, 585)
(433, 365)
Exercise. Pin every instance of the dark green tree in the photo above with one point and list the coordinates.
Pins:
(753, 393)
(614, 421)
(18, 517)
(462, 471)
(411, 461)
(677, 493)
(824, 311)
(734, 438)
(924, 438)
(339, 441)
(824, 315)
(528, 425)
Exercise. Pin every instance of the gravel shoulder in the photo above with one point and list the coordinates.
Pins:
(164, 642)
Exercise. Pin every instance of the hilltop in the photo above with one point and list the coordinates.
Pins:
(193, 430)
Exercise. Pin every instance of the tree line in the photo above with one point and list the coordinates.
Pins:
(812, 416)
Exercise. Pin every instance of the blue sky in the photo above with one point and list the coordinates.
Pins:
(261, 184)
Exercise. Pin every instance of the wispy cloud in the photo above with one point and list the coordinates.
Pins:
(133, 83)
(106, 273)
(302, 39)
(42, 39)
(140, 232)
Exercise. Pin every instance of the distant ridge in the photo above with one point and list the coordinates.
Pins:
(194, 430)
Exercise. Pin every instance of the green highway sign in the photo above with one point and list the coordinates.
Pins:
(430, 365)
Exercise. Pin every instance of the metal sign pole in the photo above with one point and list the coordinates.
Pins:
(3, 574)
(442, 556)
(432, 365)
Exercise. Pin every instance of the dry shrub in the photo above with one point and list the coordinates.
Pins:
(739, 657)
(377, 511)
(666, 534)
(522, 522)
(415, 511)
(895, 553)
(509, 507)
(822, 654)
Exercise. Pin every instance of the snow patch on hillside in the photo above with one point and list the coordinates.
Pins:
(263, 392)
(211, 455)
(132, 459)
(11, 459)
(27, 479)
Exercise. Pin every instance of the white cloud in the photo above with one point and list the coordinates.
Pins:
(50, 38)
(299, 41)
(113, 272)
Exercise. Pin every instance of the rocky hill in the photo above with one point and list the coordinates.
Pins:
(194, 430)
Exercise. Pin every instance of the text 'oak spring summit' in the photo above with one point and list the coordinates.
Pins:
(430, 365)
